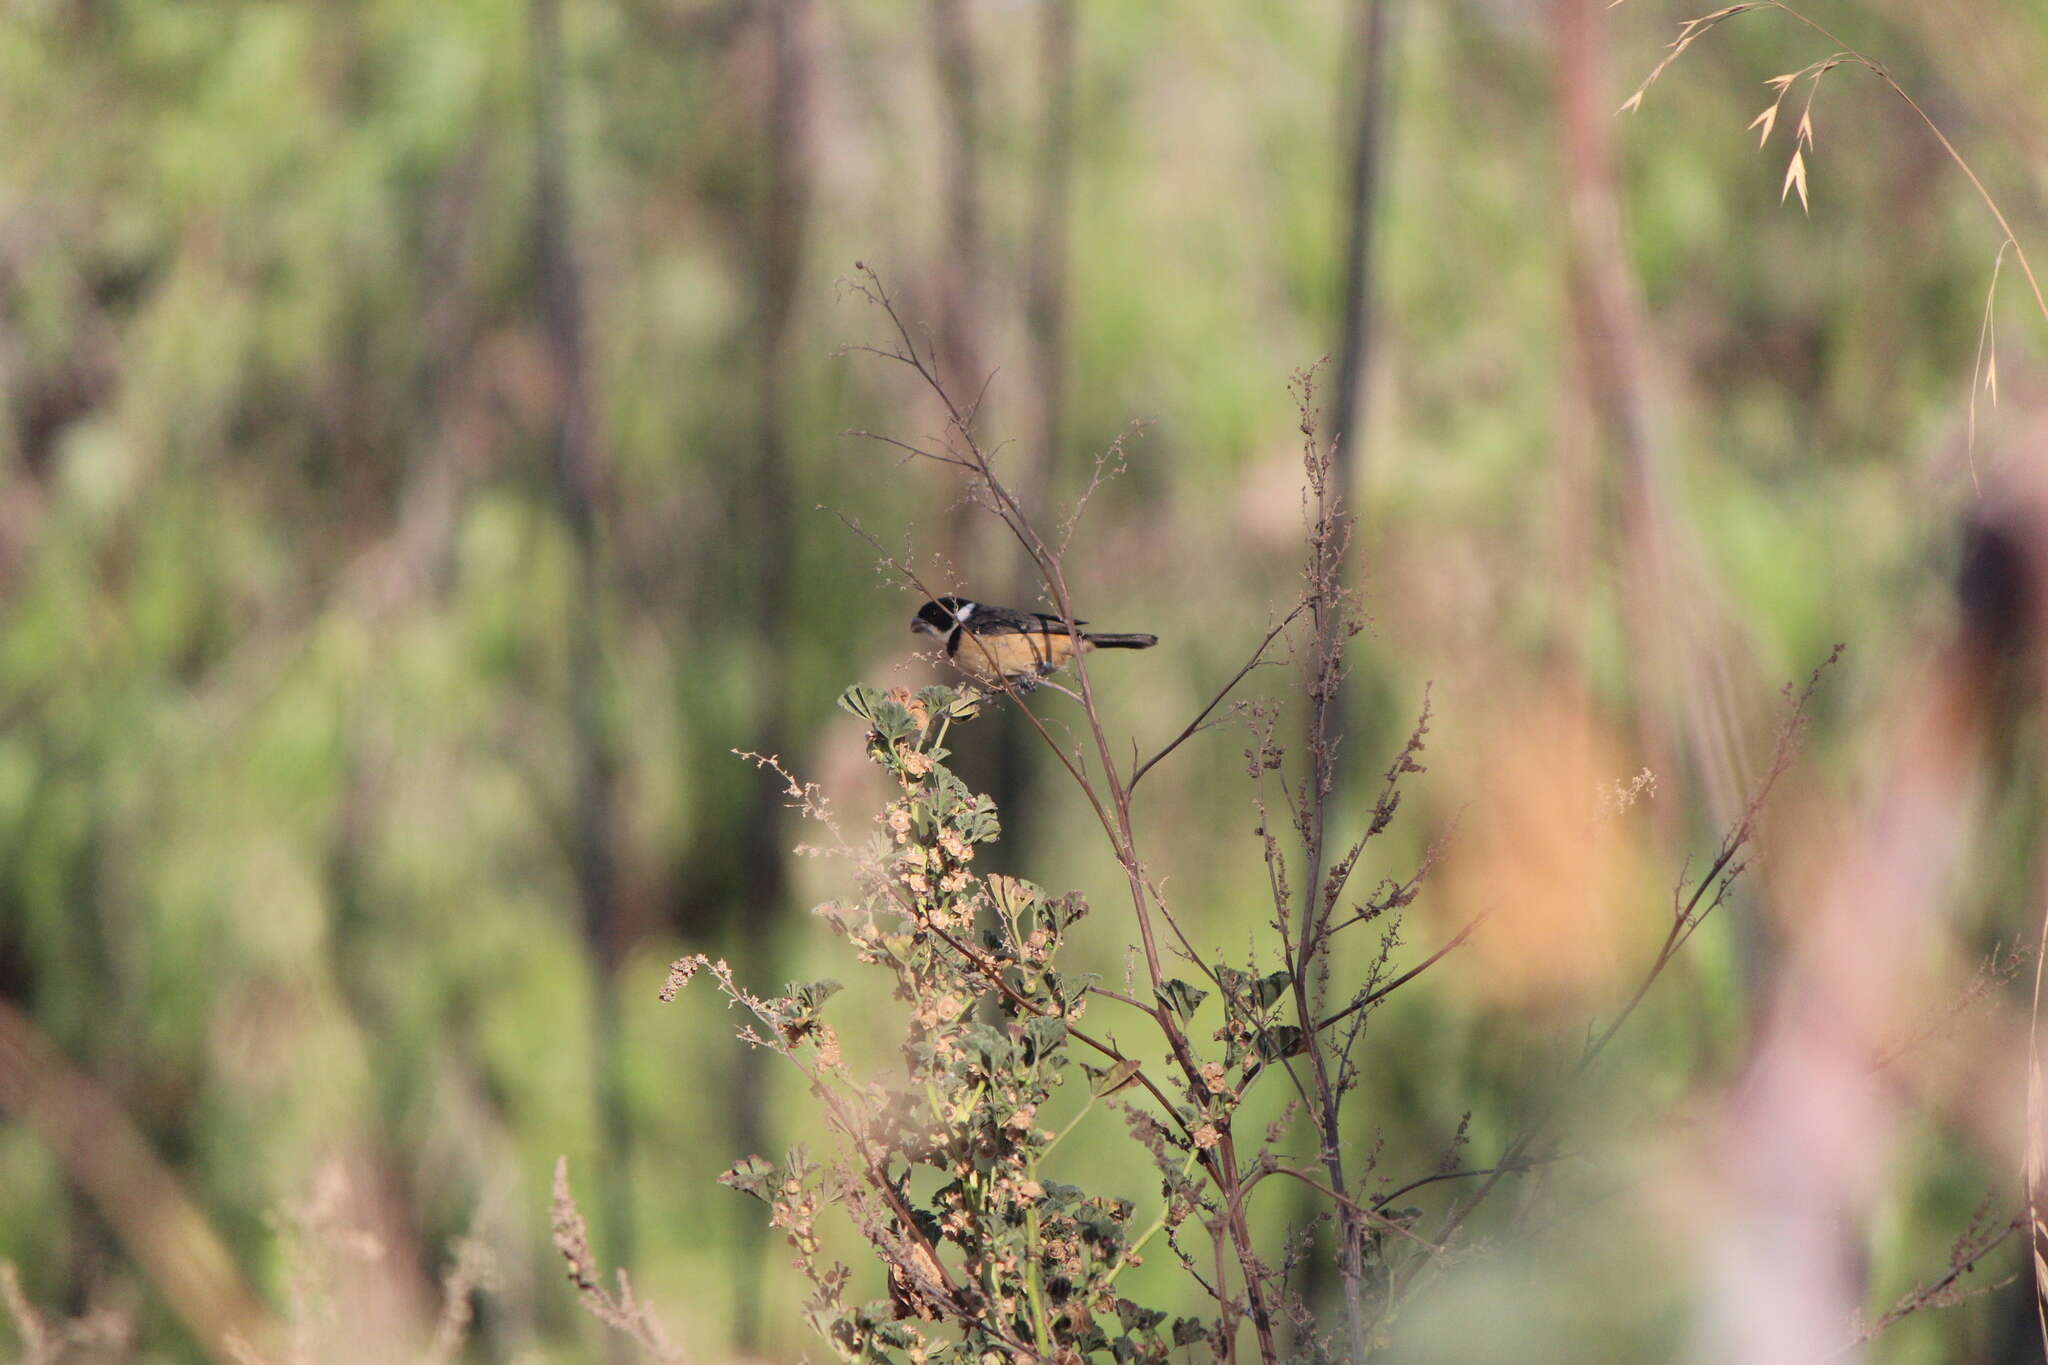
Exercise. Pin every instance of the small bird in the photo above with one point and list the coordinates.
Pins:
(995, 645)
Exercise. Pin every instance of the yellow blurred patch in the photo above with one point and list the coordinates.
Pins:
(1550, 849)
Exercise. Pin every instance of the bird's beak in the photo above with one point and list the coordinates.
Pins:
(920, 626)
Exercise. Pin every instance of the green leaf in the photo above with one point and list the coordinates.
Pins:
(752, 1175)
(979, 826)
(1137, 1318)
(950, 797)
(1101, 1230)
(1117, 1077)
(1180, 997)
(1013, 895)
(1281, 1040)
(955, 703)
(861, 701)
(1062, 1198)
(1188, 1331)
(1067, 987)
(811, 994)
(895, 1335)
(801, 1016)
(1043, 1035)
(1272, 986)
(888, 718)
(1067, 909)
(994, 1049)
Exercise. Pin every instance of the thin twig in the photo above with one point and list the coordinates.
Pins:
(1258, 657)
(1457, 940)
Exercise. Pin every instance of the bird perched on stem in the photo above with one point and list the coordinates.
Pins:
(999, 645)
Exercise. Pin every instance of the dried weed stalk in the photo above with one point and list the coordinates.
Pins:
(336, 1265)
(620, 1309)
(1984, 1234)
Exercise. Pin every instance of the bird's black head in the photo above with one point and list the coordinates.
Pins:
(940, 616)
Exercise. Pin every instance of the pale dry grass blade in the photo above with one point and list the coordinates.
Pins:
(1987, 346)
(1795, 179)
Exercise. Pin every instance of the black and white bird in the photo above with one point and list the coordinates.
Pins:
(998, 645)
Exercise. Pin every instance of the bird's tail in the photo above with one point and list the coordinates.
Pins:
(1122, 641)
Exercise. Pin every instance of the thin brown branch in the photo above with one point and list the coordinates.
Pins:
(1414, 1185)
(1368, 1213)
(1974, 1244)
(1258, 657)
(1457, 940)
(909, 448)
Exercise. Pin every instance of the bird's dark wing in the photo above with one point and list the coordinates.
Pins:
(1054, 624)
(986, 620)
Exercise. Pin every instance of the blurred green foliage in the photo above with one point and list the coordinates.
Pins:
(287, 767)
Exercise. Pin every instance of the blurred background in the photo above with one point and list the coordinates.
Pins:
(425, 458)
